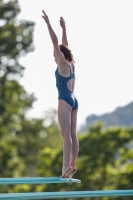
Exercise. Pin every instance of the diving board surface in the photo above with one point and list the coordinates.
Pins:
(36, 180)
(72, 194)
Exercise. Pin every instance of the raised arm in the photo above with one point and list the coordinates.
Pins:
(54, 38)
(51, 32)
(64, 35)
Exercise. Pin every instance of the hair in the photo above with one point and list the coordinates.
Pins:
(67, 52)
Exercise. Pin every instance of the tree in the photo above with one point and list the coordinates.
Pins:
(21, 139)
(15, 40)
(104, 162)
(31, 147)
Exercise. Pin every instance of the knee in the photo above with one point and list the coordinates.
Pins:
(74, 135)
(66, 133)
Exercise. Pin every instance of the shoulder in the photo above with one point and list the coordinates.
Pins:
(63, 64)
(59, 55)
(64, 68)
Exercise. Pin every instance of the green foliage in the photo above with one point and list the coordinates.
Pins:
(104, 162)
(33, 147)
(22, 141)
(16, 39)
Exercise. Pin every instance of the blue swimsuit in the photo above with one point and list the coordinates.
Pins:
(63, 92)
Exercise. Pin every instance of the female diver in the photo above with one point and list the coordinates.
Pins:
(67, 104)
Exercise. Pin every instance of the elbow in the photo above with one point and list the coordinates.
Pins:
(55, 41)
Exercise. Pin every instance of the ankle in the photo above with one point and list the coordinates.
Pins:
(73, 164)
(64, 167)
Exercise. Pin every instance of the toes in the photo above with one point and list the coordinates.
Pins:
(64, 175)
(70, 173)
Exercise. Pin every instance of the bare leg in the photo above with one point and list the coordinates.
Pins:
(75, 144)
(64, 118)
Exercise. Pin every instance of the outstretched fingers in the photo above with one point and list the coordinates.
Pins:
(45, 17)
(62, 18)
(62, 22)
(44, 14)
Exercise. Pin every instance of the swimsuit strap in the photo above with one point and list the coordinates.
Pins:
(71, 69)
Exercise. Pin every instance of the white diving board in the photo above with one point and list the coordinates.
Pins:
(58, 195)
(36, 180)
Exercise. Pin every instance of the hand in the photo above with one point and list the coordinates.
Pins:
(45, 17)
(62, 22)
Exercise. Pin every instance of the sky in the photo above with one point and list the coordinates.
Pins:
(100, 35)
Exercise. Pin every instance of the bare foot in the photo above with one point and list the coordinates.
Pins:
(64, 171)
(70, 172)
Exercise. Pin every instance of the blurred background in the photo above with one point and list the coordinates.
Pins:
(100, 37)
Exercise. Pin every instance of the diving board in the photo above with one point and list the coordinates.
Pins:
(72, 194)
(36, 180)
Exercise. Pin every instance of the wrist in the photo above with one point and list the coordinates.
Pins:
(48, 22)
(64, 28)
